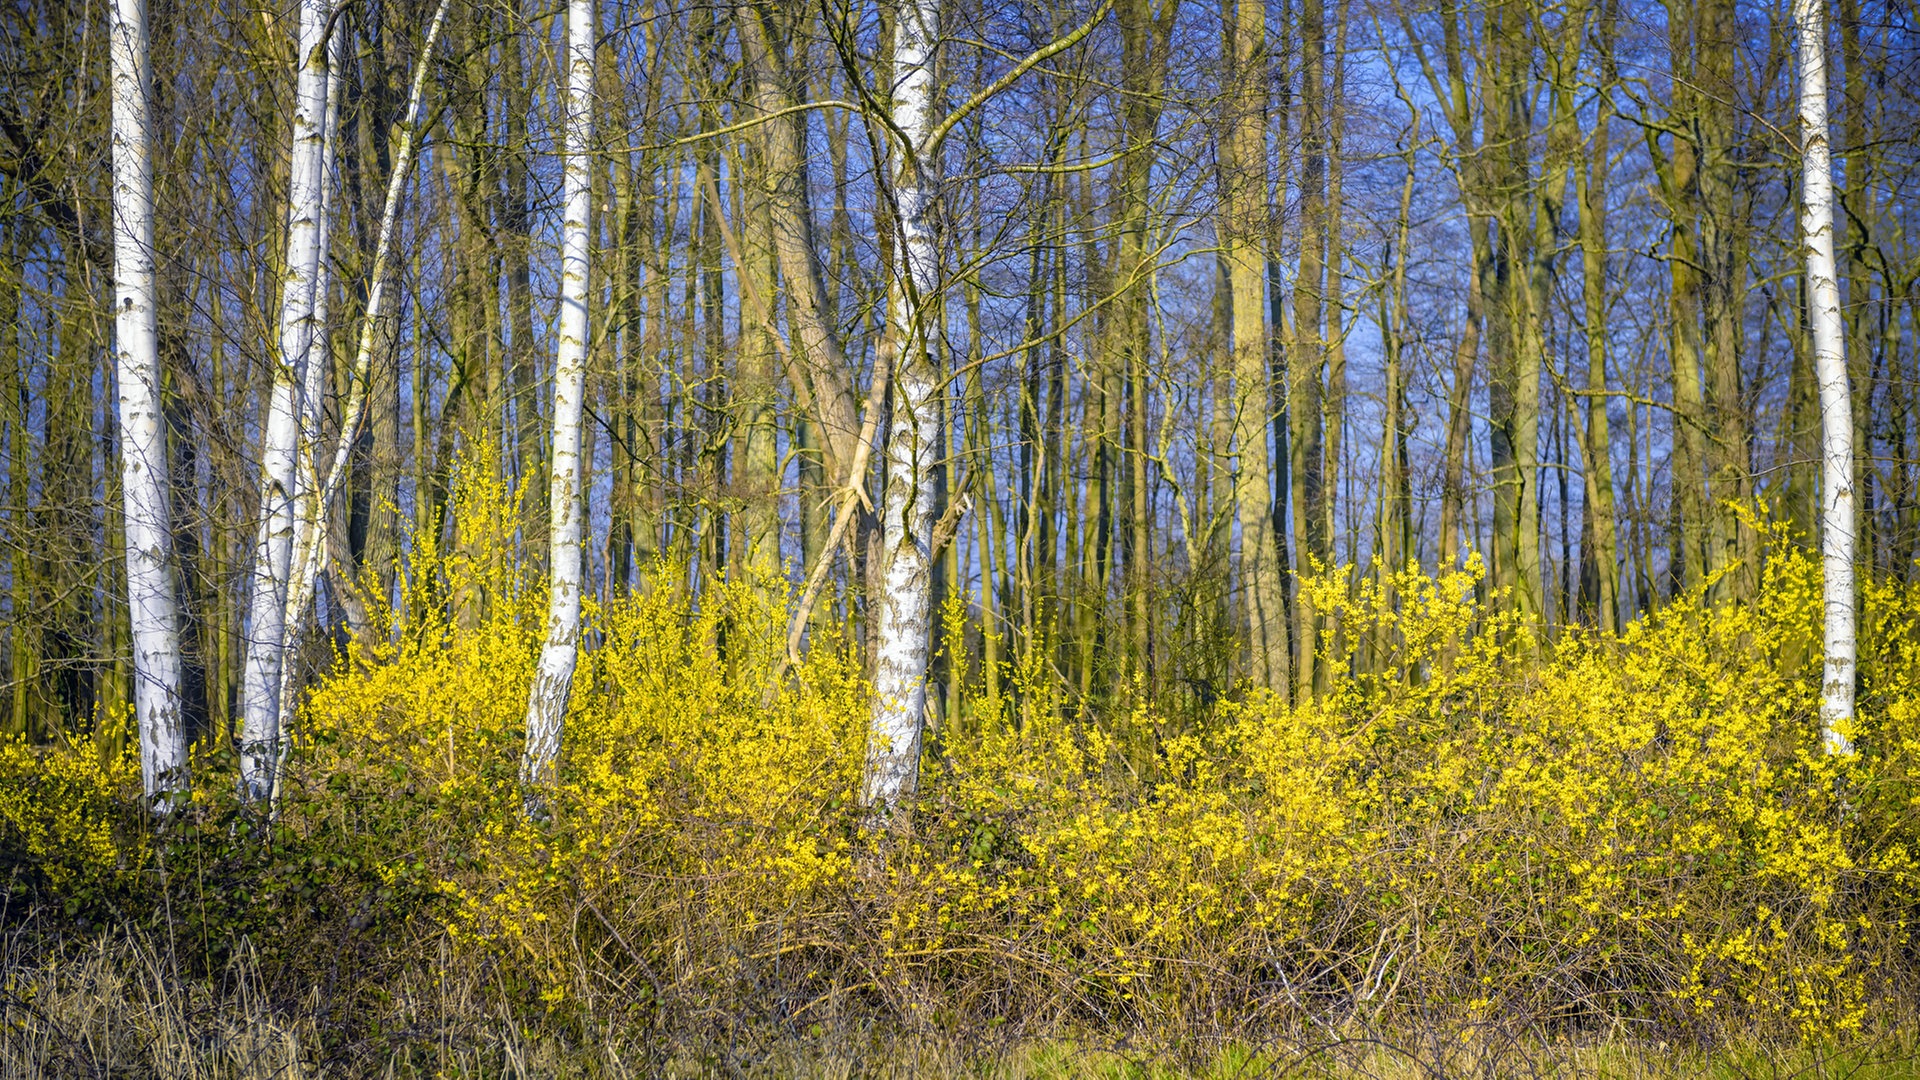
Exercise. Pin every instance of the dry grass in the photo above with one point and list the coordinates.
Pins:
(1625, 859)
(116, 1009)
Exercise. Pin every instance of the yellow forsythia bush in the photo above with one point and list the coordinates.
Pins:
(1467, 816)
(69, 820)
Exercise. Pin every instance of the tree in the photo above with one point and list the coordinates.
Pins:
(903, 639)
(906, 604)
(1307, 352)
(1830, 366)
(1243, 162)
(312, 547)
(553, 680)
(143, 439)
(301, 338)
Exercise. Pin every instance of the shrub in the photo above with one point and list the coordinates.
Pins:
(1469, 822)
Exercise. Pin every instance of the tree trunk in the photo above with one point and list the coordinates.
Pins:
(22, 666)
(1678, 174)
(313, 546)
(553, 681)
(1394, 531)
(1830, 365)
(1520, 279)
(1306, 434)
(1244, 173)
(1730, 541)
(1144, 46)
(280, 442)
(823, 378)
(901, 652)
(756, 399)
(1596, 447)
(143, 448)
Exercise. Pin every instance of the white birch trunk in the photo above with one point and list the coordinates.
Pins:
(547, 702)
(906, 604)
(308, 512)
(143, 447)
(311, 548)
(1830, 371)
(280, 436)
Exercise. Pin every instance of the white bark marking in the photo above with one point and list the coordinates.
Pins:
(280, 440)
(143, 443)
(547, 702)
(311, 549)
(1830, 371)
(906, 608)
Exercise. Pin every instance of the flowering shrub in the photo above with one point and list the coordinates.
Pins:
(69, 824)
(1468, 818)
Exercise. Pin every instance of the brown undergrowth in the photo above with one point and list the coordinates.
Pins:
(1476, 854)
(114, 1008)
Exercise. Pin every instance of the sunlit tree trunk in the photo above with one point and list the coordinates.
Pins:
(23, 656)
(822, 378)
(1830, 369)
(547, 703)
(1394, 538)
(311, 547)
(1244, 172)
(904, 571)
(309, 513)
(1333, 406)
(1731, 542)
(1559, 64)
(1144, 33)
(901, 648)
(1515, 331)
(1596, 439)
(1307, 356)
(756, 397)
(143, 449)
(1678, 175)
(280, 441)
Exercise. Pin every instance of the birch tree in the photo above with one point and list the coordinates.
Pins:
(903, 642)
(547, 702)
(1830, 371)
(311, 547)
(906, 604)
(143, 445)
(301, 286)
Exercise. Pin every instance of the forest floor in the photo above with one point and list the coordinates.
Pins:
(1474, 853)
(114, 1011)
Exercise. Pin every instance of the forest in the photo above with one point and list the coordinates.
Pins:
(1046, 538)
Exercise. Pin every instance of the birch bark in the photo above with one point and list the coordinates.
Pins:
(1830, 371)
(279, 450)
(900, 672)
(311, 548)
(143, 448)
(547, 703)
(905, 564)
(308, 511)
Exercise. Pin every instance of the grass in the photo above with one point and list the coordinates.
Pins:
(1623, 857)
(114, 1008)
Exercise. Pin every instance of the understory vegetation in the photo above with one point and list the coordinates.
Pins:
(1476, 853)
